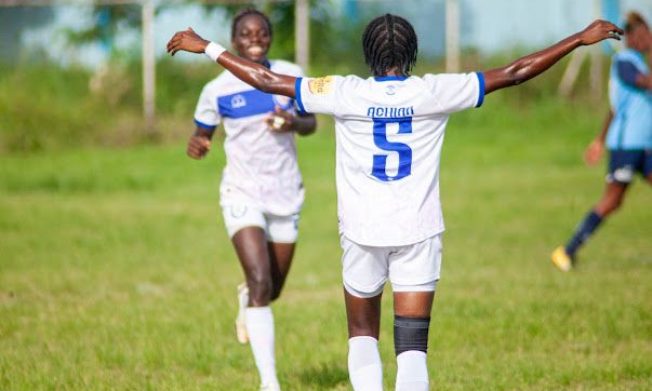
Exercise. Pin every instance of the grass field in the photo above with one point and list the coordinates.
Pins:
(116, 273)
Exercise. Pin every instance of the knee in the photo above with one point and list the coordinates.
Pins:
(260, 288)
(361, 326)
(362, 330)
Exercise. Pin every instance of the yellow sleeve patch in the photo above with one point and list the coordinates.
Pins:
(321, 86)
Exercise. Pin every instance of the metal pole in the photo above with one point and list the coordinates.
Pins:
(149, 63)
(452, 36)
(302, 33)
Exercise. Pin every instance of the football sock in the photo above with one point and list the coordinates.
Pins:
(586, 228)
(365, 368)
(260, 326)
(412, 372)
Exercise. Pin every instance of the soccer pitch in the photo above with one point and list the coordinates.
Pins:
(116, 272)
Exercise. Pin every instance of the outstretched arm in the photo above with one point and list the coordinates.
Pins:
(527, 67)
(250, 72)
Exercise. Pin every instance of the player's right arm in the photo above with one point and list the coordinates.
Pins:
(530, 66)
(250, 72)
(207, 118)
(199, 143)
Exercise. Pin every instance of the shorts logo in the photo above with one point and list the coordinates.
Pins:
(295, 220)
(238, 101)
(624, 174)
(321, 86)
(238, 211)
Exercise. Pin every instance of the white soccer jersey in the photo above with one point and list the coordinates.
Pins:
(389, 134)
(261, 165)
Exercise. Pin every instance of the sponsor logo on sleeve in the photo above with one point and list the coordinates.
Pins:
(321, 86)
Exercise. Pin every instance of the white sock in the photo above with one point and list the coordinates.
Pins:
(365, 368)
(412, 371)
(260, 326)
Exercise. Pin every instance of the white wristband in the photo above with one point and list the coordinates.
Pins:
(213, 51)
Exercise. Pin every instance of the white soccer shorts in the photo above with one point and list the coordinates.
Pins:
(411, 268)
(278, 229)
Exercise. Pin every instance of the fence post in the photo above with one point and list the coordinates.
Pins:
(302, 33)
(149, 64)
(452, 36)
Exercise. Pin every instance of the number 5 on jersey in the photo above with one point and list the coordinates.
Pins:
(404, 151)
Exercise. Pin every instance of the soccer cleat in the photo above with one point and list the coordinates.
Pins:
(240, 320)
(561, 259)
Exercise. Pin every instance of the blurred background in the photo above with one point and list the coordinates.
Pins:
(75, 64)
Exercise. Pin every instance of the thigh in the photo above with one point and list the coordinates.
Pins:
(281, 255)
(416, 267)
(252, 250)
(364, 268)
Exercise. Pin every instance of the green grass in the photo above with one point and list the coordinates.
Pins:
(116, 273)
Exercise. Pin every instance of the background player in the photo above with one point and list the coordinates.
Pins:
(389, 134)
(627, 131)
(261, 192)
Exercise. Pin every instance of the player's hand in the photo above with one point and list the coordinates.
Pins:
(594, 152)
(599, 31)
(280, 120)
(188, 41)
(198, 147)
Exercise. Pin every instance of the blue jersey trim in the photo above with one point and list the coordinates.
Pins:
(297, 95)
(245, 104)
(205, 126)
(390, 78)
(482, 89)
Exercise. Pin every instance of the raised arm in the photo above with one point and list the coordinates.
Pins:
(530, 66)
(251, 73)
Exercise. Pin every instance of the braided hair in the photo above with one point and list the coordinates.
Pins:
(247, 12)
(388, 42)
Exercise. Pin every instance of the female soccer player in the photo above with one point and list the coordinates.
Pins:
(389, 134)
(627, 132)
(261, 191)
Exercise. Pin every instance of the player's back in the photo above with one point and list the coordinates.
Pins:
(389, 134)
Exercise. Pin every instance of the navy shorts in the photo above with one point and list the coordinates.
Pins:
(623, 165)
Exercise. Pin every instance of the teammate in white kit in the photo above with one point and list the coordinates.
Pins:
(389, 133)
(261, 192)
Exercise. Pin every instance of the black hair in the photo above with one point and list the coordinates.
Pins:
(388, 42)
(247, 12)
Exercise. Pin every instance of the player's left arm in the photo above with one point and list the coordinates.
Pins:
(530, 66)
(250, 72)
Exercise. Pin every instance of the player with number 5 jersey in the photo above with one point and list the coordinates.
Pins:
(389, 134)
(390, 131)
